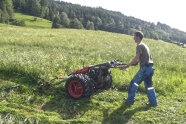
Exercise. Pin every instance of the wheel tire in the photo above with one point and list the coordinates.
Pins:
(78, 86)
(105, 85)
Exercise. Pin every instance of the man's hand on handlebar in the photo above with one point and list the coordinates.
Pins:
(125, 66)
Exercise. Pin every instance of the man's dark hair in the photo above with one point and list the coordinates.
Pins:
(139, 34)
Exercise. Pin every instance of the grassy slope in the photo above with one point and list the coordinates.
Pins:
(30, 56)
(31, 23)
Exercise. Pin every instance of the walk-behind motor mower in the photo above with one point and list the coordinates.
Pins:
(83, 82)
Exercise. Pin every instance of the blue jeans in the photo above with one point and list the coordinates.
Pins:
(144, 74)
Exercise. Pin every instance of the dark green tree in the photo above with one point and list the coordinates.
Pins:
(50, 15)
(76, 24)
(36, 8)
(19, 4)
(97, 22)
(90, 25)
(56, 21)
(44, 3)
(65, 21)
(6, 10)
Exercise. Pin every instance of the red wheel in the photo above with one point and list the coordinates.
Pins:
(75, 89)
(78, 86)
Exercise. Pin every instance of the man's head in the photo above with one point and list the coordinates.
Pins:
(138, 36)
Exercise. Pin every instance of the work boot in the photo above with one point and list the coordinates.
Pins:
(150, 105)
(128, 102)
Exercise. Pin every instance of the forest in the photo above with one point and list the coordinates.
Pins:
(68, 15)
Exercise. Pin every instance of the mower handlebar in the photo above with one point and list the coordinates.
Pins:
(112, 64)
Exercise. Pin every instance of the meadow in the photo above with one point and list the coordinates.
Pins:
(32, 21)
(29, 56)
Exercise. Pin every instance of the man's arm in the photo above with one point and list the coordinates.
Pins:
(134, 61)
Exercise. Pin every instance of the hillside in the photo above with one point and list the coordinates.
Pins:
(68, 15)
(30, 56)
(32, 21)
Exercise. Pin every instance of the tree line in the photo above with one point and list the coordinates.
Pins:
(6, 11)
(67, 15)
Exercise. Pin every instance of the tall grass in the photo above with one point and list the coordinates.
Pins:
(30, 56)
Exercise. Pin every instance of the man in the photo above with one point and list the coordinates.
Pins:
(145, 72)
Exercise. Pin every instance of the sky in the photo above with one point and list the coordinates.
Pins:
(170, 12)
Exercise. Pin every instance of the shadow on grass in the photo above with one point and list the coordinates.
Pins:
(121, 115)
(65, 106)
(23, 79)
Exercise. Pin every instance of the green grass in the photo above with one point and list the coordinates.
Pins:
(32, 21)
(29, 56)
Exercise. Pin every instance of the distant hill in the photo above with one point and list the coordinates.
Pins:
(67, 15)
